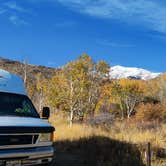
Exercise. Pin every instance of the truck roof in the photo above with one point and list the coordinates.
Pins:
(11, 83)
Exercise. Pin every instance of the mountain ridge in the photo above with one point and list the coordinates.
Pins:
(116, 72)
(32, 71)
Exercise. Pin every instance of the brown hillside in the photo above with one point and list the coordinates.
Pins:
(18, 68)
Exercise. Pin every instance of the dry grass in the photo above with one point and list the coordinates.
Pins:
(135, 135)
(119, 131)
(77, 131)
(159, 163)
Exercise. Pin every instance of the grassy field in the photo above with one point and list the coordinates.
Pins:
(122, 145)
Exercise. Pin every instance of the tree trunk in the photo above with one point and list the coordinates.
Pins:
(71, 103)
(122, 111)
(128, 115)
(24, 67)
(128, 110)
(71, 116)
(25, 76)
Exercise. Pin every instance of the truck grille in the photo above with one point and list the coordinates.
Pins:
(17, 139)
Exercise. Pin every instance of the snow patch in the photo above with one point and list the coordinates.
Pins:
(120, 72)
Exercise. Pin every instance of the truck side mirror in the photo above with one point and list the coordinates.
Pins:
(46, 113)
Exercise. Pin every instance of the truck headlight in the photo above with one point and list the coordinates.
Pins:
(45, 137)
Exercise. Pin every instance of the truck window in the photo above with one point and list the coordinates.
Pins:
(16, 105)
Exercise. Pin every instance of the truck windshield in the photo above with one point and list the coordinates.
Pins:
(16, 105)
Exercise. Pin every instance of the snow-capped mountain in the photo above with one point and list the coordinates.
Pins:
(119, 72)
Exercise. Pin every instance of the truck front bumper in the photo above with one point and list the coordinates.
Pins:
(28, 156)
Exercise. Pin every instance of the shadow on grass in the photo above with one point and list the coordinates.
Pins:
(96, 151)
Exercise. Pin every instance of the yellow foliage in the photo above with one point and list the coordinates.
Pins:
(151, 112)
(137, 86)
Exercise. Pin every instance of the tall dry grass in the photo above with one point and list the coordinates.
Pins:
(77, 131)
(135, 135)
(119, 131)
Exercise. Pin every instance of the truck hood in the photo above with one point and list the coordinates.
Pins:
(24, 125)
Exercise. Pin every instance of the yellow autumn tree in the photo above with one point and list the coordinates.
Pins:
(76, 89)
(128, 93)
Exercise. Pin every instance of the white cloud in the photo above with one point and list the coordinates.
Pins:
(148, 13)
(14, 6)
(115, 44)
(14, 11)
(17, 21)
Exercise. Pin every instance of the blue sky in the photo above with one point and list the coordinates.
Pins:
(54, 32)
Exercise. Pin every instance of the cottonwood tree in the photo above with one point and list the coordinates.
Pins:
(24, 68)
(41, 90)
(57, 93)
(162, 90)
(76, 88)
(73, 74)
(68, 89)
(116, 96)
(129, 94)
(97, 79)
(103, 70)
